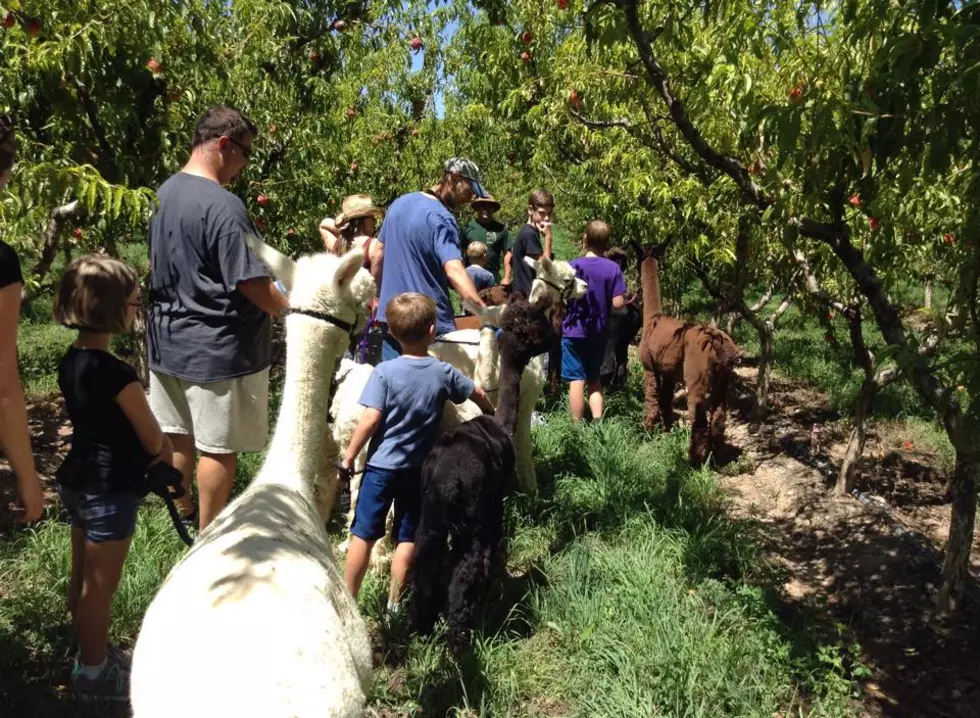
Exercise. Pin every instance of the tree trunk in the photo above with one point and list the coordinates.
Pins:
(141, 358)
(928, 292)
(761, 409)
(963, 490)
(856, 441)
(52, 237)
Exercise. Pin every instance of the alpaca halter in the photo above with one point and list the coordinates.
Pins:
(323, 316)
(564, 293)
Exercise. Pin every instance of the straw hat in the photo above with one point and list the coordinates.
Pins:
(488, 202)
(355, 206)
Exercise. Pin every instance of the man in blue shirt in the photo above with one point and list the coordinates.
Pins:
(419, 245)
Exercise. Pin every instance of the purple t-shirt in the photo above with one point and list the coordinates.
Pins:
(589, 316)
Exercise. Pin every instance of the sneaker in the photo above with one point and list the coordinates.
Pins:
(112, 684)
(537, 418)
(117, 654)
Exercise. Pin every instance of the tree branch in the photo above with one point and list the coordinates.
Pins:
(92, 111)
(763, 300)
(813, 287)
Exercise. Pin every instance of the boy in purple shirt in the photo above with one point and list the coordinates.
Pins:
(586, 325)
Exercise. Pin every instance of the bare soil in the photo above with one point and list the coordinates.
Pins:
(872, 569)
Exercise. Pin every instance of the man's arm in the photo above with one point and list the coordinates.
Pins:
(366, 427)
(263, 293)
(462, 283)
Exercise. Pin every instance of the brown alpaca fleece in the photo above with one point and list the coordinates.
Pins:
(672, 350)
(501, 294)
(496, 295)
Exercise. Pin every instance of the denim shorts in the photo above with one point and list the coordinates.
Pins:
(581, 359)
(381, 487)
(103, 517)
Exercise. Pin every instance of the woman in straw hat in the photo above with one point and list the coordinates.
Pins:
(354, 228)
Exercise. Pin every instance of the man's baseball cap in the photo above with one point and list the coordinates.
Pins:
(467, 169)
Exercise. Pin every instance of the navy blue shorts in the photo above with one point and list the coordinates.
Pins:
(381, 487)
(581, 359)
(103, 517)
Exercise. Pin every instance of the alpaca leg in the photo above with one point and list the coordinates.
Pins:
(651, 402)
(532, 383)
(427, 573)
(719, 403)
(697, 409)
(665, 394)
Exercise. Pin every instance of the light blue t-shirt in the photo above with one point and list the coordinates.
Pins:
(410, 393)
(481, 276)
(420, 235)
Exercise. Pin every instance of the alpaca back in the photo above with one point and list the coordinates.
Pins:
(260, 594)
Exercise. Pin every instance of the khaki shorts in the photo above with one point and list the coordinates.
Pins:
(224, 417)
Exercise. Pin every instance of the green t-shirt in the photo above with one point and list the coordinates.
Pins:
(497, 239)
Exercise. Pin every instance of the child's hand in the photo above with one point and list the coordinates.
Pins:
(31, 497)
(544, 227)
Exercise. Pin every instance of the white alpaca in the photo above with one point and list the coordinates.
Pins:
(346, 412)
(255, 621)
(462, 350)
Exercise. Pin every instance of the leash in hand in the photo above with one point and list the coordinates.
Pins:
(166, 482)
(344, 474)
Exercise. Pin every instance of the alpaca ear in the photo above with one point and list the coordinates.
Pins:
(532, 262)
(581, 287)
(546, 264)
(489, 316)
(349, 264)
(281, 266)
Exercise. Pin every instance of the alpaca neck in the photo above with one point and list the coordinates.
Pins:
(296, 451)
(650, 281)
(511, 369)
(486, 372)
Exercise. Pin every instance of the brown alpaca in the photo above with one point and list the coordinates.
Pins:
(672, 350)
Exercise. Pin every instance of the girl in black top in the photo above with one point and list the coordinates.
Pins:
(14, 439)
(115, 439)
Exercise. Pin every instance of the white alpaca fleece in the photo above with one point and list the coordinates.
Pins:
(459, 348)
(346, 411)
(255, 621)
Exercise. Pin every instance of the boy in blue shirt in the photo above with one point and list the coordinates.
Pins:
(404, 401)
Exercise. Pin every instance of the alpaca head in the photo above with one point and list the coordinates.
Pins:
(496, 295)
(554, 279)
(323, 283)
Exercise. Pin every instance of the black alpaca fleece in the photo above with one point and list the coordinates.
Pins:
(463, 484)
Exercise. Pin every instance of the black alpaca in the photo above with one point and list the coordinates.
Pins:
(463, 484)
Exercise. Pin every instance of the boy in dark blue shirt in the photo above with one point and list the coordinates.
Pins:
(404, 401)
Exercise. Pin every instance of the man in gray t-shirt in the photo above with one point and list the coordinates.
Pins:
(209, 320)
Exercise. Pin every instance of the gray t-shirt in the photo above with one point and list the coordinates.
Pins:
(201, 328)
(411, 394)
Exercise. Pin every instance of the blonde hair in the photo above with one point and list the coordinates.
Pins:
(94, 294)
(597, 234)
(476, 251)
(409, 316)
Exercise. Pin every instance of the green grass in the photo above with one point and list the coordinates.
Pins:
(628, 592)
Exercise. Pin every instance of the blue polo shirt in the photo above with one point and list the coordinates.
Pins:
(420, 235)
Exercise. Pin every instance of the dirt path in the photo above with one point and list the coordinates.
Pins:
(842, 560)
